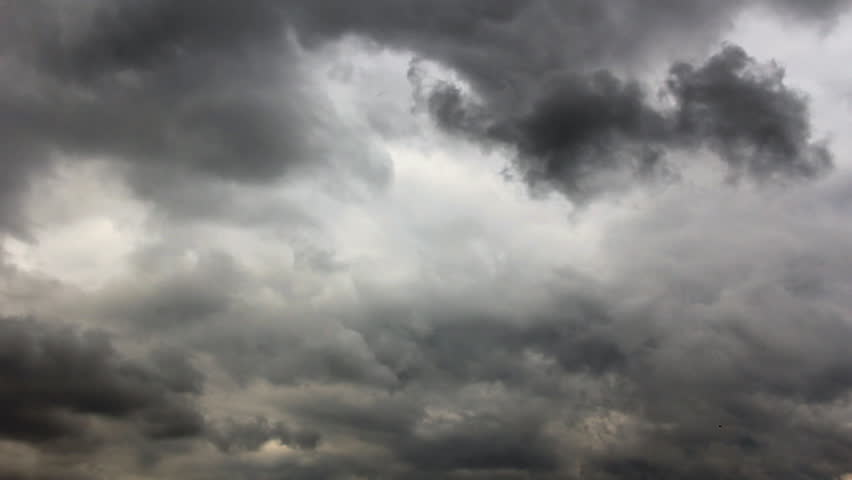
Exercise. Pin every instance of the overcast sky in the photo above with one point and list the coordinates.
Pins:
(425, 239)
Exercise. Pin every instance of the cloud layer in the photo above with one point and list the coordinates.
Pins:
(469, 239)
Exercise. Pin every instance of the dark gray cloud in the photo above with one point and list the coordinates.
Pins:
(55, 379)
(12, 475)
(748, 400)
(178, 92)
(219, 90)
(584, 124)
(529, 64)
(744, 111)
(490, 444)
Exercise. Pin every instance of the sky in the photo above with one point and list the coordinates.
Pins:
(410, 239)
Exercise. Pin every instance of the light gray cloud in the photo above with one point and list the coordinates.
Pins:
(235, 435)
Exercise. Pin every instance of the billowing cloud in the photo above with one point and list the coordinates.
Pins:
(291, 239)
(216, 91)
(55, 378)
(234, 435)
(221, 91)
(584, 124)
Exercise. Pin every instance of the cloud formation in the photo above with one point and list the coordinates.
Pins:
(53, 375)
(220, 91)
(277, 239)
(584, 124)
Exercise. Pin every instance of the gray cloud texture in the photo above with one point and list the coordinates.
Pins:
(250, 331)
(54, 378)
(731, 105)
(217, 89)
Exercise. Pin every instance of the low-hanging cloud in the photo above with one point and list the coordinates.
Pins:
(54, 377)
(263, 321)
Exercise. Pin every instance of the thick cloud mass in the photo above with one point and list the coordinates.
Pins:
(583, 124)
(218, 90)
(296, 239)
(175, 89)
(749, 116)
(53, 378)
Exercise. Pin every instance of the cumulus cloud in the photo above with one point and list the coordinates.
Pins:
(171, 90)
(221, 91)
(56, 379)
(277, 239)
(584, 124)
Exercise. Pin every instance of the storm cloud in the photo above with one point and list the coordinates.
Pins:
(55, 378)
(584, 124)
(511, 239)
(219, 90)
